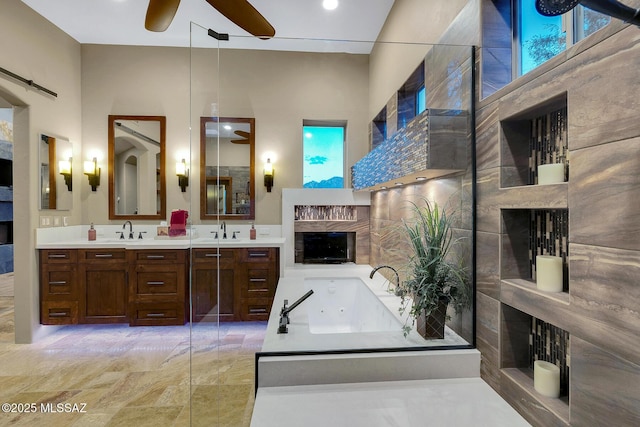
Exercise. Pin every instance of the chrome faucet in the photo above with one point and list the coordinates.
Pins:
(223, 226)
(124, 226)
(398, 291)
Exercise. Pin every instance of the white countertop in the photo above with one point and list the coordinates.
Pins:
(75, 237)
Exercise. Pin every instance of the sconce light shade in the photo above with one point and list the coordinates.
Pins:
(183, 175)
(66, 171)
(92, 171)
(268, 175)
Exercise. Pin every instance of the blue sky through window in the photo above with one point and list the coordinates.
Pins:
(541, 37)
(323, 152)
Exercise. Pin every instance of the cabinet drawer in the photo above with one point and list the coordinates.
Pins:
(258, 254)
(59, 313)
(57, 256)
(256, 308)
(157, 282)
(103, 254)
(59, 282)
(149, 314)
(160, 255)
(259, 283)
(209, 255)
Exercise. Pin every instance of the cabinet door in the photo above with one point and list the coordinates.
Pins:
(213, 285)
(103, 286)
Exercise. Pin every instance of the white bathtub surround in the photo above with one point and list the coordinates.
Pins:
(276, 371)
(451, 402)
(549, 277)
(546, 378)
(552, 173)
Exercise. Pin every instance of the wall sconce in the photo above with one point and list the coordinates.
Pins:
(66, 171)
(268, 175)
(92, 171)
(183, 175)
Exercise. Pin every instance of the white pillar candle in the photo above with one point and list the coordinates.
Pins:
(546, 378)
(551, 174)
(549, 273)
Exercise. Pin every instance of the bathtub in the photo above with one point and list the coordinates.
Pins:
(346, 305)
(350, 330)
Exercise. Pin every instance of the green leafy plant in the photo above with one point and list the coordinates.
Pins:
(436, 273)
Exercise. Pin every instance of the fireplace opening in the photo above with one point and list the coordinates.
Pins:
(325, 247)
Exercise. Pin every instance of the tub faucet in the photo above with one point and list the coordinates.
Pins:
(223, 227)
(398, 290)
(284, 312)
(124, 226)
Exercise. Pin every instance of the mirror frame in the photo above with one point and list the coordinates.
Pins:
(163, 199)
(203, 169)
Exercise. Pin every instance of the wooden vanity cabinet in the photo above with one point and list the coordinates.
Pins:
(248, 279)
(157, 287)
(207, 266)
(58, 287)
(103, 293)
(258, 273)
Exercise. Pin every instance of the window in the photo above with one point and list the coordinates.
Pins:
(421, 99)
(540, 38)
(408, 96)
(379, 128)
(323, 154)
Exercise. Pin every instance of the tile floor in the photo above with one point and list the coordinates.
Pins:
(140, 376)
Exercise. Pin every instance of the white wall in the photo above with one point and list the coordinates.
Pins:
(34, 49)
(278, 89)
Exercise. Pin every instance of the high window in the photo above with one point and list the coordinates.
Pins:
(540, 38)
(411, 96)
(323, 154)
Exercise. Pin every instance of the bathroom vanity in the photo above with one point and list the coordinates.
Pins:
(146, 282)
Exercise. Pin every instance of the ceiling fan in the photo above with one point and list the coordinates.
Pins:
(160, 13)
(608, 7)
(242, 134)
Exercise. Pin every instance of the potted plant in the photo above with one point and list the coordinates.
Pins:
(436, 275)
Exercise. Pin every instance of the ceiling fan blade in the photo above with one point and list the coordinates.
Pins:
(160, 13)
(242, 134)
(239, 141)
(244, 15)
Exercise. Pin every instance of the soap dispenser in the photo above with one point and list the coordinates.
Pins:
(92, 233)
(252, 233)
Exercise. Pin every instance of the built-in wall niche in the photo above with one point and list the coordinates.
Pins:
(525, 339)
(534, 138)
(325, 213)
(531, 232)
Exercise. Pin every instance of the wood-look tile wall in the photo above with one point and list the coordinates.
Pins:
(601, 311)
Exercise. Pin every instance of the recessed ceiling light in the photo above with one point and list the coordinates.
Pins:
(330, 4)
(421, 178)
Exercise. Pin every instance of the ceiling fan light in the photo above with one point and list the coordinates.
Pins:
(330, 4)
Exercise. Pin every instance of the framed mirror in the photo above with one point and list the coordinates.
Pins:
(227, 158)
(56, 177)
(137, 167)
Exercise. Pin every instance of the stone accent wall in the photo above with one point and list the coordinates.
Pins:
(600, 307)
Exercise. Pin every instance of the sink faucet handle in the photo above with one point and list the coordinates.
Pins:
(234, 234)
(216, 234)
(140, 234)
(121, 234)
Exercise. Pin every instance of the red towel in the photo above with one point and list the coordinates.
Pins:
(178, 223)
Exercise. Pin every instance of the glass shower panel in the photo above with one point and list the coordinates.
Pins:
(209, 396)
(280, 84)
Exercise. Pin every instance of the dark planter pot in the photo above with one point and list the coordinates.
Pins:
(432, 327)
